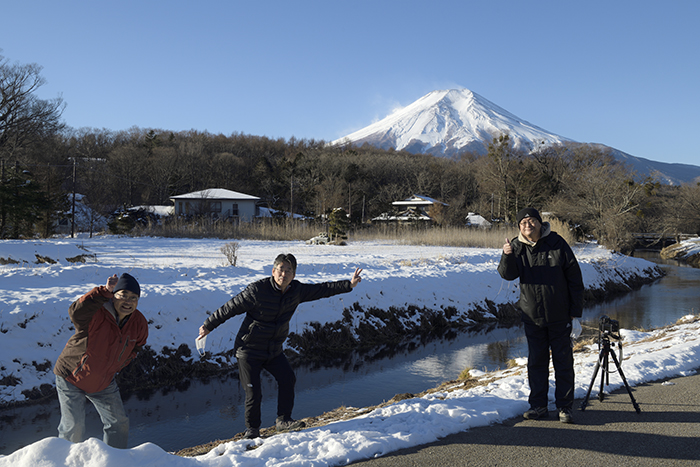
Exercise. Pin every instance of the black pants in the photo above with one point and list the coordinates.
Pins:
(540, 340)
(249, 369)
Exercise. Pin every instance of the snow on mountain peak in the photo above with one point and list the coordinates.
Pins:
(447, 122)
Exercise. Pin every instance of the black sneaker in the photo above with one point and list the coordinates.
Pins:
(565, 415)
(251, 433)
(536, 413)
(287, 423)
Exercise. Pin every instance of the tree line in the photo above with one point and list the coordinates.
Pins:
(44, 160)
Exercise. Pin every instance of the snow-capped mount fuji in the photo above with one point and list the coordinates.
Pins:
(447, 122)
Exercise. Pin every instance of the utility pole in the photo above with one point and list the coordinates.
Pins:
(72, 223)
(48, 194)
(16, 222)
(363, 209)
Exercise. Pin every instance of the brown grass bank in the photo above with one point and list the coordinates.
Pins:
(291, 230)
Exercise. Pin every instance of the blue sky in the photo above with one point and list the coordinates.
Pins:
(622, 73)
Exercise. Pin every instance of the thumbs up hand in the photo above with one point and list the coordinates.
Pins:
(507, 247)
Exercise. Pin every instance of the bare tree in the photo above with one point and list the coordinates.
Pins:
(690, 208)
(498, 173)
(22, 114)
(602, 196)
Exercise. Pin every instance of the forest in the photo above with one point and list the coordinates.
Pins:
(43, 161)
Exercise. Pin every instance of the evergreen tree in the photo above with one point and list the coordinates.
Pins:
(338, 223)
(23, 204)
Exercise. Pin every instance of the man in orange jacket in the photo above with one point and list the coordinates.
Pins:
(109, 330)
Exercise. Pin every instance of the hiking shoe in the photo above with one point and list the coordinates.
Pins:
(536, 413)
(251, 433)
(287, 423)
(565, 415)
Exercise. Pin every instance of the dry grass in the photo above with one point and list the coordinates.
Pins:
(464, 374)
(512, 363)
(582, 345)
(452, 236)
(291, 230)
(663, 334)
(562, 229)
(436, 236)
(263, 229)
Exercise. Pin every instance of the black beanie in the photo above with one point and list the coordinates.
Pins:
(528, 212)
(127, 282)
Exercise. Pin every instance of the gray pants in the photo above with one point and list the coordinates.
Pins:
(108, 403)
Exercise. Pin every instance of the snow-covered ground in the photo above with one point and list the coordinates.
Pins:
(182, 279)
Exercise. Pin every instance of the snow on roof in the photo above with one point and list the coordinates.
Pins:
(475, 219)
(215, 193)
(418, 200)
(162, 211)
(268, 212)
(408, 215)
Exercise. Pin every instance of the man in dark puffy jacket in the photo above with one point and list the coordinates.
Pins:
(109, 330)
(551, 295)
(268, 305)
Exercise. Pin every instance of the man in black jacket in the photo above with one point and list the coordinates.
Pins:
(269, 305)
(551, 295)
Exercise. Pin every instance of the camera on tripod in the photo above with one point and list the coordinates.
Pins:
(608, 328)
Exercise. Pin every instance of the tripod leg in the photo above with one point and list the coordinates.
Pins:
(603, 380)
(590, 386)
(624, 380)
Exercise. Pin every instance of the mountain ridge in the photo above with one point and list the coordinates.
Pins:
(449, 122)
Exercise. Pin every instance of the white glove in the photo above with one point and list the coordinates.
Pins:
(575, 328)
(200, 343)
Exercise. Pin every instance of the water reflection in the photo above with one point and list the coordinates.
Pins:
(205, 412)
(656, 305)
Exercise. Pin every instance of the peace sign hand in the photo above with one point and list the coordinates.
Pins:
(355, 278)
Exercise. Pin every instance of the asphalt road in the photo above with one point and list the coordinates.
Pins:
(608, 433)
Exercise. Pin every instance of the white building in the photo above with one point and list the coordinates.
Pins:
(217, 203)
